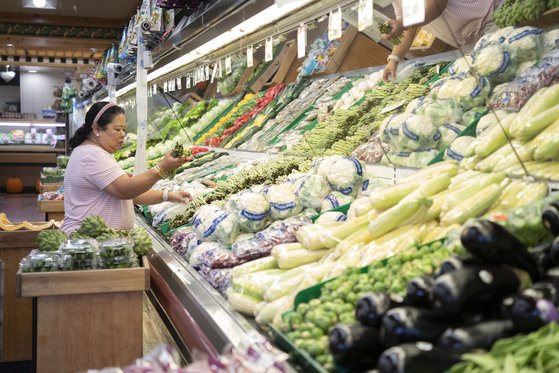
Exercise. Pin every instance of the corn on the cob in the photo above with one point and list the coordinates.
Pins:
(473, 206)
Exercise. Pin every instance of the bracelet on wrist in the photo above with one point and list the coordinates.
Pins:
(159, 171)
(393, 57)
(165, 195)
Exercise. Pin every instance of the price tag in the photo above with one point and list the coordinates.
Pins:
(214, 73)
(187, 82)
(269, 50)
(219, 69)
(228, 67)
(154, 87)
(335, 24)
(165, 87)
(172, 83)
(413, 12)
(149, 92)
(365, 14)
(179, 83)
(250, 60)
(207, 71)
(301, 40)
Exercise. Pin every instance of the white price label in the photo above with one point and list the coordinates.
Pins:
(207, 73)
(413, 12)
(365, 14)
(250, 61)
(335, 24)
(187, 81)
(179, 83)
(165, 87)
(301, 40)
(149, 92)
(228, 67)
(269, 50)
(172, 83)
(214, 73)
(219, 69)
(154, 89)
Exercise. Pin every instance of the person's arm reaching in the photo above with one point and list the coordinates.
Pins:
(154, 196)
(400, 52)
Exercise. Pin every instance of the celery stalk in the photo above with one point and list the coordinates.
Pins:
(447, 167)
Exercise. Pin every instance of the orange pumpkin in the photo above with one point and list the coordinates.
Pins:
(38, 185)
(14, 185)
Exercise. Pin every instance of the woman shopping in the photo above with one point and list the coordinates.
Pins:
(95, 184)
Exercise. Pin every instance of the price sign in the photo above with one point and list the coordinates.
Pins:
(207, 72)
(250, 56)
(269, 50)
(187, 82)
(364, 14)
(335, 24)
(413, 12)
(228, 67)
(179, 83)
(214, 73)
(301, 40)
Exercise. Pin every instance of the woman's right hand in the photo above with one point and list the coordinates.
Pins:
(169, 163)
(389, 72)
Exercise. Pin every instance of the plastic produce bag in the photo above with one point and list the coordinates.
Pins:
(460, 148)
(214, 223)
(461, 66)
(496, 62)
(218, 257)
(527, 41)
(359, 207)
(335, 200)
(440, 112)
(550, 40)
(416, 159)
(499, 36)
(169, 213)
(418, 132)
(283, 202)
(220, 279)
(372, 151)
(251, 210)
(371, 185)
(415, 104)
(200, 249)
(392, 129)
(312, 190)
(467, 90)
(346, 176)
(331, 217)
(449, 132)
(489, 120)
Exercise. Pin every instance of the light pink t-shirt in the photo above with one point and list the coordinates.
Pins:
(461, 23)
(90, 170)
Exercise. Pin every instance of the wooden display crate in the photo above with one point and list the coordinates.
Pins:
(87, 319)
(246, 74)
(339, 55)
(286, 63)
(51, 187)
(271, 70)
(54, 210)
(17, 336)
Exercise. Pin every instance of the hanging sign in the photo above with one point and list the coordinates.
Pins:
(214, 73)
(187, 81)
(228, 67)
(207, 73)
(413, 12)
(219, 69)
(250, 56)
(179, 83)
(269, 50)
(301, 40)
(335, 24)
(364, 14)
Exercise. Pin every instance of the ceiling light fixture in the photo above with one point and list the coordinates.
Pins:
(7, 75)
(32, 71)
(40, 3)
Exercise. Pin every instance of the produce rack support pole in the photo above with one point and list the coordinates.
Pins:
(140, 163)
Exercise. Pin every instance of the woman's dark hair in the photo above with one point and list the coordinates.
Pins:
(107, 117)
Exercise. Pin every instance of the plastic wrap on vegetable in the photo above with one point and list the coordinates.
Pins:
(496, 62)
(489, 120)
(312, 190)
(416, 159)
(449, 132)
(393, 128)
(346, 176)
(180, 240)
(461, 66)
(499, 36)
(214, 223)
(527, 41)
(169, 213)
(371, 185)
(331, 217)
(372, 151)
(322, 165)
(515, 94)
(415, 104)
(551, 40)
(418, 132)
(200, 249)
(335, 200)
(473, 114)
(251, 210)
(467, 90)
(524, 66)
(220, 279)
(460, 148)
(283, 202)
(440, 112)
(218, 258)
(359, 207)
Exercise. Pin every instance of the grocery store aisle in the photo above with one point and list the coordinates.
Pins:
(20, 207)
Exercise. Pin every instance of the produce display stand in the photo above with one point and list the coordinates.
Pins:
(271, 70)
(86, 319)
(51, 187)
(17, 333)
(54, 210)
(339, 55)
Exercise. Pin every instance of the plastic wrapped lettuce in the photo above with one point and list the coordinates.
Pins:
(440, 112)
(499, 36)
(415, 159)
(346, 176)
(213, 223)
(524, 66)
(497, 62)
(527, 42)
(550, 40)
(371, 185)
(283, 203)
(460, 148)
(473, 114)
(312, 190)
(449, 132)
(335, 200)
(331, 217)
(467, 90)
(295, 178)
(419, 132)
(461, 66)
(251, 210)
(415, 104)
(199, 251)
(322, 166)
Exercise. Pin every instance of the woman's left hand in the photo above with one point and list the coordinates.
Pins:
(181, 196)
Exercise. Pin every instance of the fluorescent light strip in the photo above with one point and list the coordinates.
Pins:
(265, 17)
(27, 124)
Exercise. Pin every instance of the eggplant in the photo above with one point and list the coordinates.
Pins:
(494, 244)
(471, 288)
(372, 307)
(411, 324)
(554, 250)
(356, 347)
(481, 335)
(418, 292)
(550, 218)
(456, 262)
(542, 254)
(417, 357)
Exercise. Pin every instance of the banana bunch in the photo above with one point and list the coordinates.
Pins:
(50, 240)
(514, 12)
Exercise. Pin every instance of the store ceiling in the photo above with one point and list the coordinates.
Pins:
(76, 33)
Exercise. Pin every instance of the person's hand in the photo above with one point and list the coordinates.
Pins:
(180, 196)
(397, 29)
(390, 70)
(169, 163)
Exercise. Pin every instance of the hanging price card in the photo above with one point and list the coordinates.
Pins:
(413, 12)
(154, 89)
(269, 50)
(187, 82)
(228, 67)
(250, 61)
(214, 72)
(365, 14)
(301, 40)
(179, 83)
(335, 24)
(219, 69)
(165, 87)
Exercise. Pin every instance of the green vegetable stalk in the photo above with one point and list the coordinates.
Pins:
(385, 28)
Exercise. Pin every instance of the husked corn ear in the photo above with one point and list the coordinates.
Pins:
(473, 206)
